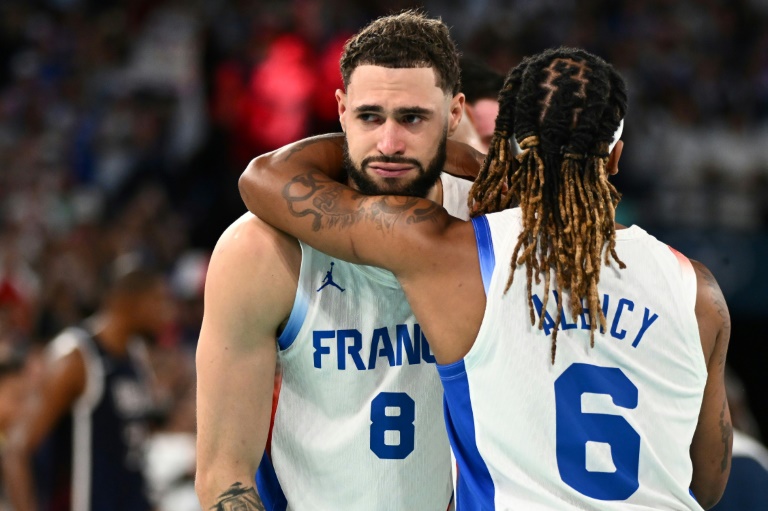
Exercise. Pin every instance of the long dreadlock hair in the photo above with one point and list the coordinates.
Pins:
(563, 107)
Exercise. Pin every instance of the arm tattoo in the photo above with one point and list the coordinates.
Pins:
(427, 214)
(300, 146)
(314, 194)
(722, 309)
(726, 432)
(239, 498)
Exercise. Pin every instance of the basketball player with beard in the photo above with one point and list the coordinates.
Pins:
(357, 419)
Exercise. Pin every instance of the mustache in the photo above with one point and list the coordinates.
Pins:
(390, 159)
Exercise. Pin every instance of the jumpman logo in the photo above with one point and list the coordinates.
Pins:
(328, 280)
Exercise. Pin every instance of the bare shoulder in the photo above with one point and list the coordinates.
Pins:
(711, 312)
(253, 270)
(65, 368)
(249, 236)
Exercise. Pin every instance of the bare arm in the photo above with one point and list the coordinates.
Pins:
(249, 292)
(711, 445)
(325, 154)
(295, 189)
(63, 382)
(384, 231)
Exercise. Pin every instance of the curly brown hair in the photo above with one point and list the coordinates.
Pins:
(563, 107)
(405, 40)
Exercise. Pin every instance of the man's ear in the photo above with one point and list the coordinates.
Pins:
(455, 112)
(613, 160)
(341, 100)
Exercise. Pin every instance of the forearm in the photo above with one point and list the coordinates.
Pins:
(231, 438)
(323, 153)
(222, 493)
(711, 452)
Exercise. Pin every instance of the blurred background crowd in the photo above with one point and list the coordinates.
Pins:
(124, 125)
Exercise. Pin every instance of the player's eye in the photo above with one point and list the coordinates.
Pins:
(412, 119)
(369, 118)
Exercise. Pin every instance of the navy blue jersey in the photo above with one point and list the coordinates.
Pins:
(747, 488)
(93, 459)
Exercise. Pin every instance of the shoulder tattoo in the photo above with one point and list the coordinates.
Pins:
(718, 303)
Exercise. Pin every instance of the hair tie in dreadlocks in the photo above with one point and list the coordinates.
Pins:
(569, 154)
(526, 145)
(530, 141)
(574, 156)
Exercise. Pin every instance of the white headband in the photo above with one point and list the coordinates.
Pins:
(616, 138)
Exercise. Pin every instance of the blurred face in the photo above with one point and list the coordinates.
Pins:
(152, 310)
(396, 123)
(483, 113)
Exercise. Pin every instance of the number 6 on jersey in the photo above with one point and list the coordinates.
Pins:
(575, 429)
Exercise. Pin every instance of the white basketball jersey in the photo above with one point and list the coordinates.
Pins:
(603, 428)
(358, 422)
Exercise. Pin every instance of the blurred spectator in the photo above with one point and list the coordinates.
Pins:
(481, 85)
(79, 441)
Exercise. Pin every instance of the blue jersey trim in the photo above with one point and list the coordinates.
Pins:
(484, 249)
(474, 489)
(269, 487)
(450, 371)
(295, 320)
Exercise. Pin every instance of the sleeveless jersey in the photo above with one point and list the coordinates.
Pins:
(93, 458)
(603, 428)
(358, 423)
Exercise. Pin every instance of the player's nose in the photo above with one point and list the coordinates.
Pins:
(391, 140)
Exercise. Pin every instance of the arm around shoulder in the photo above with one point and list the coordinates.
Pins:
(249, 291)
(323, 153)
(712, 441)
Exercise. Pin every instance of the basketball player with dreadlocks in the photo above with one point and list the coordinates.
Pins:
(582, 362)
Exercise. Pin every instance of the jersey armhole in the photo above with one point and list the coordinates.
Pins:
(94, 370)
(688, 276)
(300, 305)
(484, 250)
(690, 289)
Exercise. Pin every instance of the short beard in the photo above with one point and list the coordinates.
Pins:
(418, 187)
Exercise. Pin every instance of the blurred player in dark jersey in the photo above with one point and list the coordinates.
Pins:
(78, 443)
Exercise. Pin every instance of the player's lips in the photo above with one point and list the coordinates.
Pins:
(390, 169)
